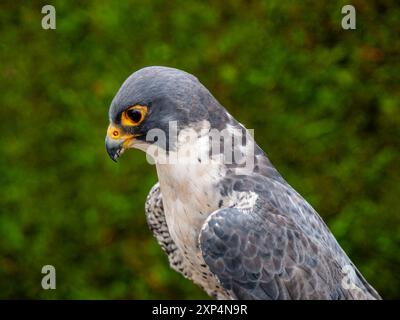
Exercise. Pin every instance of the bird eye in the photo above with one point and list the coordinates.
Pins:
(133, 116)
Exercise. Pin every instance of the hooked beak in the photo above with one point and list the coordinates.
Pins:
(114, 148)
(117, 142)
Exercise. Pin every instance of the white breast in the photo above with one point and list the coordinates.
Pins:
(189, 185)
(189, 197)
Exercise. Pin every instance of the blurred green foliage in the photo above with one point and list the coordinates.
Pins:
(324, 103)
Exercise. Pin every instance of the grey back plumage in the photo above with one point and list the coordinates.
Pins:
(280, 250)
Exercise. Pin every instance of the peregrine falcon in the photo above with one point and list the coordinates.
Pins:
(232, 225)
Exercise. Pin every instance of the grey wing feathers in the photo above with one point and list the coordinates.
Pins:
(267, 256)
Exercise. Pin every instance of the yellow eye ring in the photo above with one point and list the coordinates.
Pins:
(133, 116)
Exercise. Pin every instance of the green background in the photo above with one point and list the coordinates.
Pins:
(324, 103)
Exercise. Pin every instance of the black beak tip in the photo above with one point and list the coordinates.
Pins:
(114, 149)
(113, 153)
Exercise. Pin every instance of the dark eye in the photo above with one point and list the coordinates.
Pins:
(134, 115)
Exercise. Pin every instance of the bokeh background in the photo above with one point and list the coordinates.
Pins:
(324, 103)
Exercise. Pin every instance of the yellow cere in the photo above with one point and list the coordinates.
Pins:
(113, 132)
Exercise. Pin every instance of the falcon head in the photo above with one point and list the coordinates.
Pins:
(152, 98)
